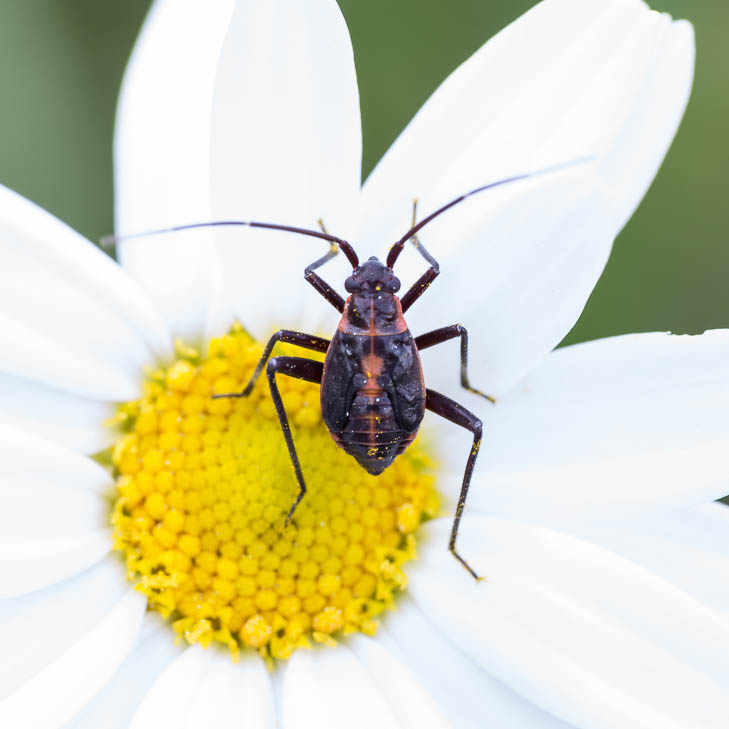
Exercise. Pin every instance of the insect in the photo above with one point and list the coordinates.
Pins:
(373, 395)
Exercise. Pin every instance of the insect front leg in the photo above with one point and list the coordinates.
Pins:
(420, 286)
(451, 410)
(319, 283)
(438, 336)
(302, 369)
(309, 341)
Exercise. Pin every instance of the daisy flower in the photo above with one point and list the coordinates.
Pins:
(591, 509)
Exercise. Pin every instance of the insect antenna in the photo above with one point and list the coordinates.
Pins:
(397, 248)
(110, 240)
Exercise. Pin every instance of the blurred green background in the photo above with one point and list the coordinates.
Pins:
(61, 63)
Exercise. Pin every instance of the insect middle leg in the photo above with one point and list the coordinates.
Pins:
(302, 369)
(309, 341)
(438, 336)
(451, 410)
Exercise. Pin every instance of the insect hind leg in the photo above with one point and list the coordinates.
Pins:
(302, 369)
(451, 410)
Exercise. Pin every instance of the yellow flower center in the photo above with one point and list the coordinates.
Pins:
(203, 489)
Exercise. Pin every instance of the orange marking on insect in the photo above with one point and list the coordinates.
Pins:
(372, 369)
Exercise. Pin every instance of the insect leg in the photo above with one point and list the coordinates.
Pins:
(438, 336)
(319, 283)
(309, 341)
(451, 410)
(419, 287)
(302, 369)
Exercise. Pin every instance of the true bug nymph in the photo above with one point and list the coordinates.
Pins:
(373, 395)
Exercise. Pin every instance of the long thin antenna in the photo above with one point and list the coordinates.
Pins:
(397, 248)
(109, 240)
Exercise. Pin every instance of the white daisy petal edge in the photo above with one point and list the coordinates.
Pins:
(54, 687)
(41, 626)
(689, 548)
(569, 78)
(408, 698)
(469, 695)
(162, 156)
(329, 687)
(603, 430)
(39, 548)
(204, 688)
(69, 420)
(578, 630)
(289, 157)
(70, 317)
(115, 705)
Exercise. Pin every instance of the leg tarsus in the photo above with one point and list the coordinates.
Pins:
(297, 500)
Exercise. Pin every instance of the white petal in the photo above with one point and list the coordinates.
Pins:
(38, 628)
(330, 688)
(689, 548)
(72, 421)
(710, 527)
(590, 637)
(114, 706)
(205, 688)
(162, 156)
(220, 315)
(169, 698)
(62, 687)
(53, 523)
(233, 695)
(35, 510)
(286, 146)
(484, 88)
(28, 566)
(70, 317)
(471, 698)
(407, 697)
(567, 79)
(607, 428)
(29, 460)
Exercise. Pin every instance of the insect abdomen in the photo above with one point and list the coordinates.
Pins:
(372, 435)
(372, 391)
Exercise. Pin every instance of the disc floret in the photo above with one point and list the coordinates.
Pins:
(203, 488)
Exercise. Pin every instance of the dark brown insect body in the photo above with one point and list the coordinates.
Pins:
(373, 397)
(372, 388)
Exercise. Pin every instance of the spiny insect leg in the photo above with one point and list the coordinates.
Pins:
(309, 341)
(302, 369)
(438, 336)
(451, 410)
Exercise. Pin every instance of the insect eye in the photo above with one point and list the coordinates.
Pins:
(352, 285)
